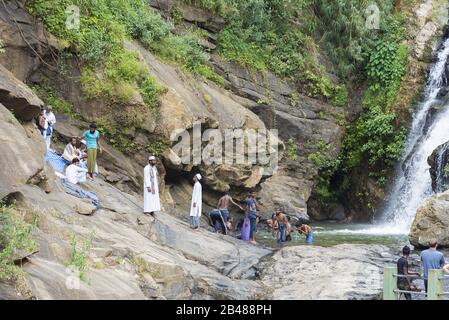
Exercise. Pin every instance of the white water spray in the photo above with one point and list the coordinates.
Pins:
(412, 183)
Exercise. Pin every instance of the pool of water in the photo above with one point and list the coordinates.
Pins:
(330, 234)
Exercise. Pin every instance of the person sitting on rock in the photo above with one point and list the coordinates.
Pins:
(282, 222)
(74, 173)
(71, 150)
(307, 231)
(404, 283)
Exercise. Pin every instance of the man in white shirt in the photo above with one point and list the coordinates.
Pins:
(51, 120)
(74, 173)
(71, 151)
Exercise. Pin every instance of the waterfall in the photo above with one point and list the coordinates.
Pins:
(412, 183)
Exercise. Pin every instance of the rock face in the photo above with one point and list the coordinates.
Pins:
(349, 272)
(439, 173)
(21, 156)
(17, 97)
(25, 40)
(432, 221)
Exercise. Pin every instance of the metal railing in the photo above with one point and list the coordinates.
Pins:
(435, 284)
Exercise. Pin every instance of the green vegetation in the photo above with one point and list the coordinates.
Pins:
(15, 235)
(47, 93)
(291, 149)
(156, 148)
(79, 256)
(374, 140)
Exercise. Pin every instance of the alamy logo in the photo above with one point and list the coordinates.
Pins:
(72, 21)
(72, 282)
(373, 17)
(228, 146)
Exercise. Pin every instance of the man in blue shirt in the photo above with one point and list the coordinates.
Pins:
(431, 259)
(251, 212)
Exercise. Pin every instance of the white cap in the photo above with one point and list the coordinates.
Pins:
(83, 141)
(151, 158)
(198, 176)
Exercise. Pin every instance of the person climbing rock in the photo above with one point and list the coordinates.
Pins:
(151, 198)
(307, 231)
(196, 204)
(92, 137)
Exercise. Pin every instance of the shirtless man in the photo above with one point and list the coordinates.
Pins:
(223, 205)
(282, 222)
(307, 231)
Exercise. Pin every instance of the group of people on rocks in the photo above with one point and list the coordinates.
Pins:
(220, 218)
(430, 258)
(80, 155)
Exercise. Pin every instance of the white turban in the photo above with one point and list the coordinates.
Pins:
(151, 158)
(198, 176)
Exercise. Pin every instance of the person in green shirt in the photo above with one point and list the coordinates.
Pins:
(92, 137)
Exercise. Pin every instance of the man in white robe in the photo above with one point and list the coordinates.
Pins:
(196, 205)
(151, 188)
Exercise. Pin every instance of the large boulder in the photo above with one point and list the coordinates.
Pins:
(342, 272)
(21, 156)
(18, 97)
(190, 104)
(432, 221)
(439, 172)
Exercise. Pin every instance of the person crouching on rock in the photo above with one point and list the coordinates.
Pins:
(307, 231)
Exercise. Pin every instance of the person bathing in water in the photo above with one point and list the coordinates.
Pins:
(251, 213)
(307, 231)
(282, 222)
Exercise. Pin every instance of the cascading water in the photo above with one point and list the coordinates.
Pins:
(413, 183)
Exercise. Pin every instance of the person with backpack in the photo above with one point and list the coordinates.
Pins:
(51, 120)
(42, 123)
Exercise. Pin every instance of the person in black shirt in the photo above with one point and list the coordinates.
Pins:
(404, 283)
